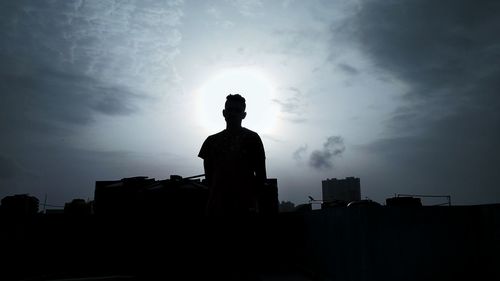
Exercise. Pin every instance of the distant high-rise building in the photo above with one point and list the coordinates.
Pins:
(347, 189)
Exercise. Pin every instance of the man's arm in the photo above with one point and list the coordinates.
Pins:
(261, 177)
(207, 166)
(260, 163)
(208, 171)
(260, 172)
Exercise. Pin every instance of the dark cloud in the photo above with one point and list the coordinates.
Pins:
(42, 105)
(438, 47)
(445, 134)
(332, 148)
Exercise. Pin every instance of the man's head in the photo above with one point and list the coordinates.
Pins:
(234, 109)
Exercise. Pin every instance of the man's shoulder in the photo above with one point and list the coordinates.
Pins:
(209, 143)
(214, 139)
(244, 133)
(250, 133)
(217, 135)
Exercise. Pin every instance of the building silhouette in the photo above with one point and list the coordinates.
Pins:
(78, 207)
(19, 204)
(173, 196)
(143, 195)
(268, 201)
(383, 243)
(344, 190)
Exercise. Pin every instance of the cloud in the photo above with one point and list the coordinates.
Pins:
(65, 62)
(64, 65)
(218, 17)
(42, 102)
(293, 105)
(128, 44)
(114, 103)
(332, 148)
(348, 69)
(304, 41)
(444, 52)
(290, 105)
(248, 8)
(299, 153)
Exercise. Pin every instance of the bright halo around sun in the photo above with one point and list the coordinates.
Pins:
(251, 83)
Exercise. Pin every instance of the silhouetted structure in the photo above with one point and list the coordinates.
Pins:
(268, 198)
(382, 243)
(333, 204)
(78, 207)
(363, 203)
(19, 204)
(404, 201)
(306, 207)
(346, 190)
(142, 195)
(286, 206)
(447, 197)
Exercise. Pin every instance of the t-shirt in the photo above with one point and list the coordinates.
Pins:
(232, 158)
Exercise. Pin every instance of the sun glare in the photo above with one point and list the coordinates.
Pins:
(253, 84)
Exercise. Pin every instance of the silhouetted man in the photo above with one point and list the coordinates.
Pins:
(234, 163)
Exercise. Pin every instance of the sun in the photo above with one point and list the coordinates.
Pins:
(253, 84)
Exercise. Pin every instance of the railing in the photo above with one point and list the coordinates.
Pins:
(430, 196)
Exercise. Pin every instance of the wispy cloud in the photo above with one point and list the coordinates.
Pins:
(293, 105)
(65, 62)
(348, 69)
(217, 15)
(248, 8)
(298, 154)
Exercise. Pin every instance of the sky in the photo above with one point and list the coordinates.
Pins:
(402, 94)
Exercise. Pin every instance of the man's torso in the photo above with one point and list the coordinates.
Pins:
(233, 157)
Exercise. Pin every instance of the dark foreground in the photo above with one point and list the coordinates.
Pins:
(366, 243)
(189, 248)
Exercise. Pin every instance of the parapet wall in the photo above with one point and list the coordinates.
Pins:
(342, 243)
(397, 243)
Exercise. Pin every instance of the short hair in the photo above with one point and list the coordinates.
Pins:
(236, 98)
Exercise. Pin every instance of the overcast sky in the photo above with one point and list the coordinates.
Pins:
(402, 94)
